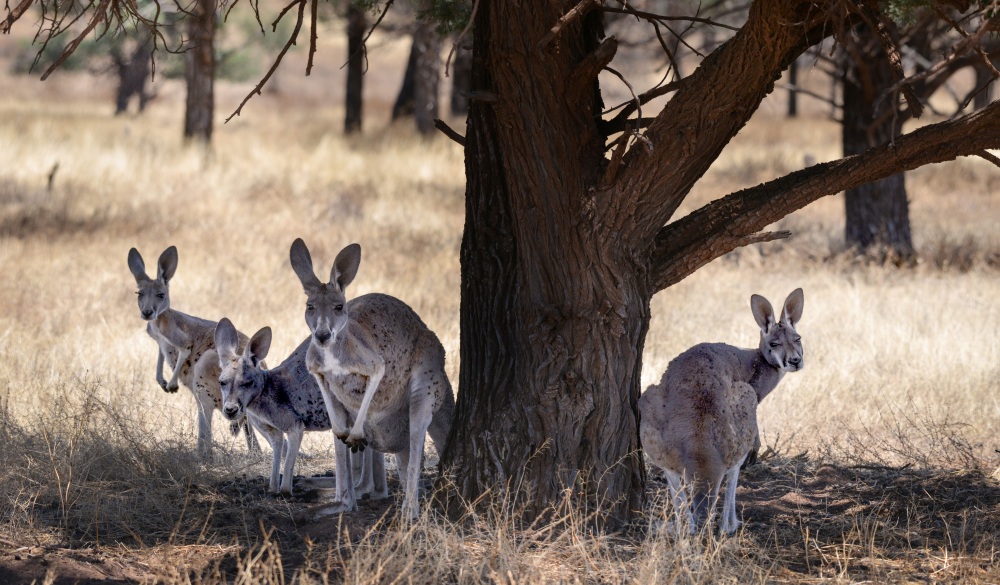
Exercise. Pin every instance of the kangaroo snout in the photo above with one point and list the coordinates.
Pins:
(322, 336)
(231, 410)
(147, 314)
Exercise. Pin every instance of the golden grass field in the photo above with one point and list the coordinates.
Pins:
(880, 452)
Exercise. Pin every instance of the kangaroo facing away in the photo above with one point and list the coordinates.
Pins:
(380, 370)
(700, 422)
(187, 345)
(282, 402)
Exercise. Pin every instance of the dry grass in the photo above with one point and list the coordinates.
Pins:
(880, 449)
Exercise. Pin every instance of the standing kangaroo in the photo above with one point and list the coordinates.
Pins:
(282, 402)
(187, 345)
(381, 372)
(700, 422)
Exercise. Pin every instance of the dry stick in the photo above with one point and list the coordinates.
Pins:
(274, 67)
(14, 15)
(660, 17)
(574, 13)
(461, 35)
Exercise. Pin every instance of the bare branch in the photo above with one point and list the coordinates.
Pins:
(989, 156)
(461, 35)
(364, 41)
(691, 242)
(449, 131)
(13, 15)
(649, 16)
(313, 34)
(284, 50)
(574, 13)
(99, 16)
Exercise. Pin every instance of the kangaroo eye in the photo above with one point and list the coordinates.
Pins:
(798, 339)
(339, 308)
(310, 307)
(774, 344)
(246, 384)
(139, 292)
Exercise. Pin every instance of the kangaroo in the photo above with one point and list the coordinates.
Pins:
(380, 370)
(283, 402)
(700, 422)
(187, 345)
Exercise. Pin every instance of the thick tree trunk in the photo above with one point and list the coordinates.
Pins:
(554, 314)
(878, 217)
(199, 72)
(353, 102)
(461, 78)
(427, 76)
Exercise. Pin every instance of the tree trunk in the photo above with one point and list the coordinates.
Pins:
(983, 77)
(878, 217)
(461, 77)
(793, 93)
(404, 99)
(133, 69)
(553, 313)
(427, 76)
(353, 102)
(199, 72)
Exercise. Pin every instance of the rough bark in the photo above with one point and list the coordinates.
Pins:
(353, 102)
(878, 216)
(199, 72)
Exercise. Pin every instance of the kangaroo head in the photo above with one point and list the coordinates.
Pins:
(780, 344)
(154, 294)
(242, 378)
(326, 304)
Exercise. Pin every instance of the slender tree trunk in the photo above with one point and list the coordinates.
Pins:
(356, 26)
(404, 99)
(553, 313)
(199, 72)
(427, 76)
(461, 77)
(984, 97)
(878, 217)
(793, 94)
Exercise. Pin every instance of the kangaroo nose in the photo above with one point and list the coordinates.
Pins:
(230, 410)
(147, 313)
(795, 361)
(322, 336)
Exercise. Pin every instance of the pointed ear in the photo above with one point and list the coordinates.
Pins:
(302, 264)
(258, 346)
(345, 267)
(226, 339)
(792, 312)
(762, 312)
(136, 265)
(167, 264)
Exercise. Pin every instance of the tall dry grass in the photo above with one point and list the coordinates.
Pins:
(902, 365)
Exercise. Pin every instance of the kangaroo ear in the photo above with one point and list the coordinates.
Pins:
(226, 339)
(792, 312)
(345, 267)
(136, 265)
(258, 346)
(302, 264)
(763, 313)
(167, 264)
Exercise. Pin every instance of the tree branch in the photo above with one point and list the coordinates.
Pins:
(723, 225)
(574, 13)
(989, 157)
(449, 131)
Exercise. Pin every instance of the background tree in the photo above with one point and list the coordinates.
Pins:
(353, 96)
(199, 72)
